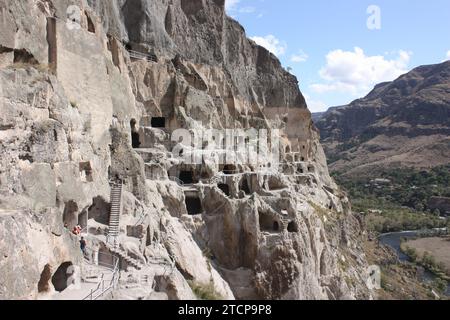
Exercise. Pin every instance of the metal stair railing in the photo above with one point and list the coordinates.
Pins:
(142, 56)
(104, 285)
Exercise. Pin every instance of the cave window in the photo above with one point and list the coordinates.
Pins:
(229, 169)
(276, 226)
(86, 171)
(274, 184)
(63, 276)
(303, 159)
(288, 150)
(91, 27)
(292, 227)
(158, 122)
(44, 281)
(187, 177)
(70, 215)
(148, 238)
(99, 211)
(245, 187)
(194, 206)
(267, 223)
(55, 134)
(225, 188)
(300, 169)
(311, 169)
(135, 140)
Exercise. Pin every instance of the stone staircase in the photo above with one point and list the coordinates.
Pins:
(116, 210)
(124, 255)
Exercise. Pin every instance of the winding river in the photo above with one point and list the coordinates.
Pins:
(394, 240)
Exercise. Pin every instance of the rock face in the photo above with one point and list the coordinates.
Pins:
(97, 100)
(405, 122)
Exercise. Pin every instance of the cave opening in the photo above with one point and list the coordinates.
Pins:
(99, 211)
(267, 223)
(63, 276)
(187, 177)
(225, 188)
(245, 187)
(292, 227)
(229, 169)
(70, 214)
(158, 122)
(194, 206)
(91, 26)
(86, 171)
(135, 139)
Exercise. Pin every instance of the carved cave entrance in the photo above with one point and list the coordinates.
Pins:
(135, 140)
(194, 206)
(158, 122)
(63, 276)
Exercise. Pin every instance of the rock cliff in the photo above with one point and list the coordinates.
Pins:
(90, 93)
(401, 123)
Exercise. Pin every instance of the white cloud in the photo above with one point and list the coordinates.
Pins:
(448, 54)
(231, 4)
(247, 10)
(356, 73)
(300, 57)
(315, 105)
(271, 43)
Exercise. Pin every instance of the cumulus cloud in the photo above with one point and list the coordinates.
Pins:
(231, 4)
(355, 72)
(315, 105)
(300, 57)
(247, 10)
(271, 43)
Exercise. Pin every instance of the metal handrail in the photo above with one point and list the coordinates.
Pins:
(142, 56)
(112, 284)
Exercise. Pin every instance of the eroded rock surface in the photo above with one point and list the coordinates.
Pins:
(97, 103)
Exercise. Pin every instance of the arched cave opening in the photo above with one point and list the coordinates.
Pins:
(63, 276)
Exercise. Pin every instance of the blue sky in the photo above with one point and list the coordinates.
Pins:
(333, 52)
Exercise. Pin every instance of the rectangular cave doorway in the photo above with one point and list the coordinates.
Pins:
(158, 122)
(194, 206)
(187, 177)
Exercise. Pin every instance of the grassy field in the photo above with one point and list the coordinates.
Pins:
(438, 248)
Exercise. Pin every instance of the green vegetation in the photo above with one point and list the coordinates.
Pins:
(428, 262)
(402, 202)
(204, 292)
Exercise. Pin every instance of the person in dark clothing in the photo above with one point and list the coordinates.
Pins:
(83, 245)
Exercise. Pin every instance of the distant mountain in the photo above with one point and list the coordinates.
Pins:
(404, 123)
(317, 116)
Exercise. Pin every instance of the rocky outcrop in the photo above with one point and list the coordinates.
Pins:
(400, 123)
(98, 100)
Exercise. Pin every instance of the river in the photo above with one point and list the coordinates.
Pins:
(393, 240)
